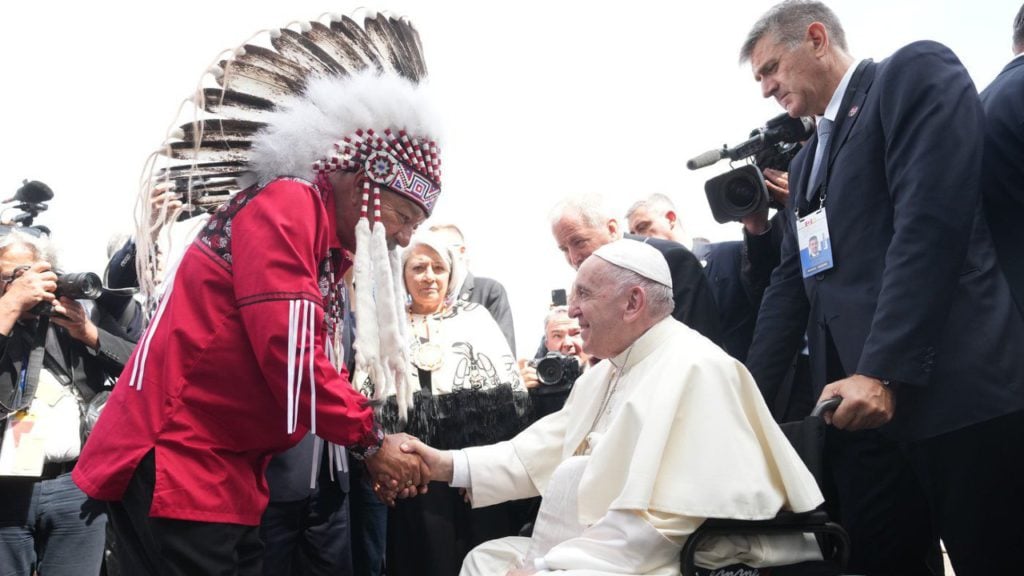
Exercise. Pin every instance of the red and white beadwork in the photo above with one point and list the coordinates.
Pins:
(410, 166)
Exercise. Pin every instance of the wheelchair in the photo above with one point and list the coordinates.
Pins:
(808, 438)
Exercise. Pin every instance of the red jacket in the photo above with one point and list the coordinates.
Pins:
(209, 385)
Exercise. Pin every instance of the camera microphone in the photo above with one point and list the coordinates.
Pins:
(704, 160)
(34, 192)
(782, 128)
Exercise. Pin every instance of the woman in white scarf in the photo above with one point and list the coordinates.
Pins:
(469, 394)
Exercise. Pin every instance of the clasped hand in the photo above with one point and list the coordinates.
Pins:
(395, 473)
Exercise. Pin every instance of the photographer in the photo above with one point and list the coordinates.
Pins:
(562, 335)
(562, 343)
(56, 362)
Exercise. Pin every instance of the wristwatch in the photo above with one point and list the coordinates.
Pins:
(373, 440)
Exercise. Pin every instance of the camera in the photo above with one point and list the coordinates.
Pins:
(742, 191)
(556, 369)
(74, 285)
(79, 286)
(557, 373)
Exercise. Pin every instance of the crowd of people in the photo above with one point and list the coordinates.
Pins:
(311, 381)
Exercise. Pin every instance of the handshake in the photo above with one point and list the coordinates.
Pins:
(404, 466)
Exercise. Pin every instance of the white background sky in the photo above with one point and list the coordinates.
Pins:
(540, 99)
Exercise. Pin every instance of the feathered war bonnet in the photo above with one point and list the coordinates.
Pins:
(304, 101)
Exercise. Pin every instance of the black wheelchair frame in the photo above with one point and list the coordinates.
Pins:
(808, 438)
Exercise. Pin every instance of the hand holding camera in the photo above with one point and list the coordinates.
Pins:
(72, 316)
(29, 286)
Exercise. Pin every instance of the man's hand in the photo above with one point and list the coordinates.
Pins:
(439, 461)
(777, 182)
(528, 374)
(71, 315)
(866, 403)
(23, 288)
(36, 284)
(397, 474)
(757, 223)
(164, 204)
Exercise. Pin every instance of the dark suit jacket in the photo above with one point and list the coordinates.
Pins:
(916, 296)
(491, 294)
(1003, 189)
(695, 306)
(738, 273)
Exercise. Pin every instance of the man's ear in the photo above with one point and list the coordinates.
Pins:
(636, 303)
(818, 36)
(613, 229)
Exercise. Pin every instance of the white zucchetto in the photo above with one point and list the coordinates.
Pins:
(638, 257)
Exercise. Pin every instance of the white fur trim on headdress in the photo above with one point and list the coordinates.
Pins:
(304, 130)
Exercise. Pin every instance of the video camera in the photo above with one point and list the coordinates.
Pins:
(742, 191)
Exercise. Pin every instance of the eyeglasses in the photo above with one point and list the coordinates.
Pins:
(15, 274)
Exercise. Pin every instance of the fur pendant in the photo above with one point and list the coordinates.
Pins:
(462, 418)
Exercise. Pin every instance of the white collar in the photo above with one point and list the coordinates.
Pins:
(832, 110)
(643, 346)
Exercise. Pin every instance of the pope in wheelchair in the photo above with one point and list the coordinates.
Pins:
(665, 432)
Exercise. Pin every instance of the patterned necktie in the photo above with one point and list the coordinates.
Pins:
(820, 155)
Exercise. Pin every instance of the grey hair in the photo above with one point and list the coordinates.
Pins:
(655, 202)
(41, 246)
(555, 311)
(1018, 31)
(660, 301)
(788, 22)
(589, 209)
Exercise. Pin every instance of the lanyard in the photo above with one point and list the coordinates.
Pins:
(22, 379)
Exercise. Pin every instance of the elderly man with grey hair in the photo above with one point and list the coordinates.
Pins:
(582, 223)
(656, 217)
(648, 445)
(57, 363)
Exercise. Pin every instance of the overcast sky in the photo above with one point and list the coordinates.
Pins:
(540, 99)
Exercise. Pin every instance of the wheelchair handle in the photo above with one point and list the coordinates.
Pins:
(826, 406)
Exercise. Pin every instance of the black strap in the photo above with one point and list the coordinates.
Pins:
(34, 361)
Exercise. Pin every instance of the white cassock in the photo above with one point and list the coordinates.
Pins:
(649, 444)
